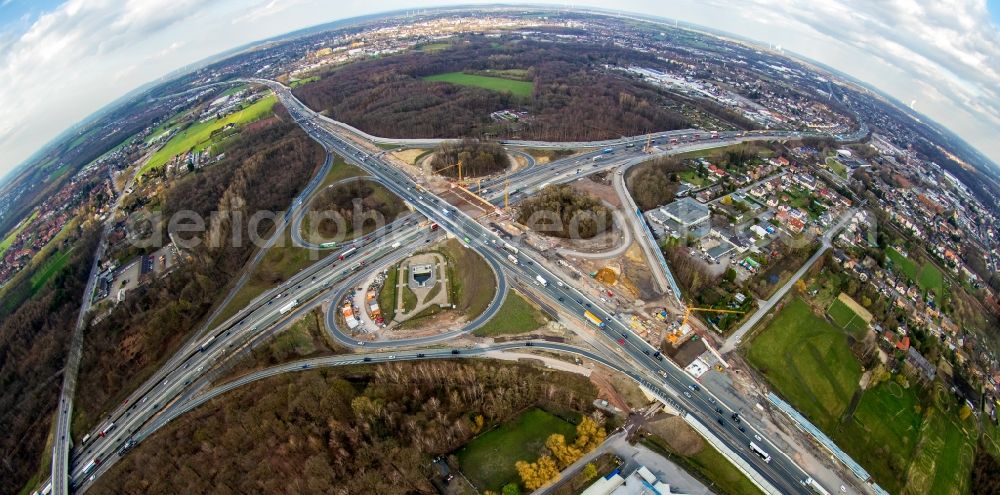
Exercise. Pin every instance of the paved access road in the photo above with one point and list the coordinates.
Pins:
(765, 308)
(781, 472)
(264, 312)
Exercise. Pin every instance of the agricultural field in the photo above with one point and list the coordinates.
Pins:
(488, 460)
(515, 316)
(808, 362)
(523, 89)
(199, 135)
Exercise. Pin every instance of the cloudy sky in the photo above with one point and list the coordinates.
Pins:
(62, 60)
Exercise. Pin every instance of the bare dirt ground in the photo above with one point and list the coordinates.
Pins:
(602, 190)
(408, 155)
(445, 321)
(678, 434)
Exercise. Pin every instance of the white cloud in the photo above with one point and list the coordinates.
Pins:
(71, 61)
(62, 56)
(266, 8)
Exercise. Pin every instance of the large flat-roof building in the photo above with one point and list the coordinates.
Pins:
(680, 218)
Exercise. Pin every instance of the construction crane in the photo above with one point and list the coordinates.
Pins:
(676, 334)
(446, 167)
(649, 144)
(506, 193)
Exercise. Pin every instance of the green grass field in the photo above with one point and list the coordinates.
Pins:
(9, 238)
(846, 318)
(692, 177)
(515, 316)
(836, 167)
(523, 89)
(943, 461)
(471, 279)
(906, 445)
(52, 266)
(488, 460)
(299, 82)
(882, 433)
(198, 135)
(808, 362)
(927, 276)
(905, 265)
(387, 296)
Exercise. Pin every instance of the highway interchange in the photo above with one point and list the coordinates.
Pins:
(184, 382)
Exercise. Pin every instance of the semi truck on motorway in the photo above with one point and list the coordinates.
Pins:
(594, 319)
(347, 253)
(760, 452)
(512, 258)
(106, 430)
(288, 307)
(395, 245)
(541, 281)
(90, 465)
(207, 343)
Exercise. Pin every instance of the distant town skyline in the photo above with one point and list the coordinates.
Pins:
(61, 61)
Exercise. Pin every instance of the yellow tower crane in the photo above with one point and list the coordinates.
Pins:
(446, 167)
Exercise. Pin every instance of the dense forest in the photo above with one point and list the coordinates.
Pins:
(363, 202)
(34, 340)
(985, 473)
(262, 171)
(560, 211)
(575, 96)
(478, 158)
(340, 431)
(655, 182)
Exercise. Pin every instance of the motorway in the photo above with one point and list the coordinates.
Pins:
(780, 472)
(638, 358)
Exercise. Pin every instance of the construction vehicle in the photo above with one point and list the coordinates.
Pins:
(676, 334)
